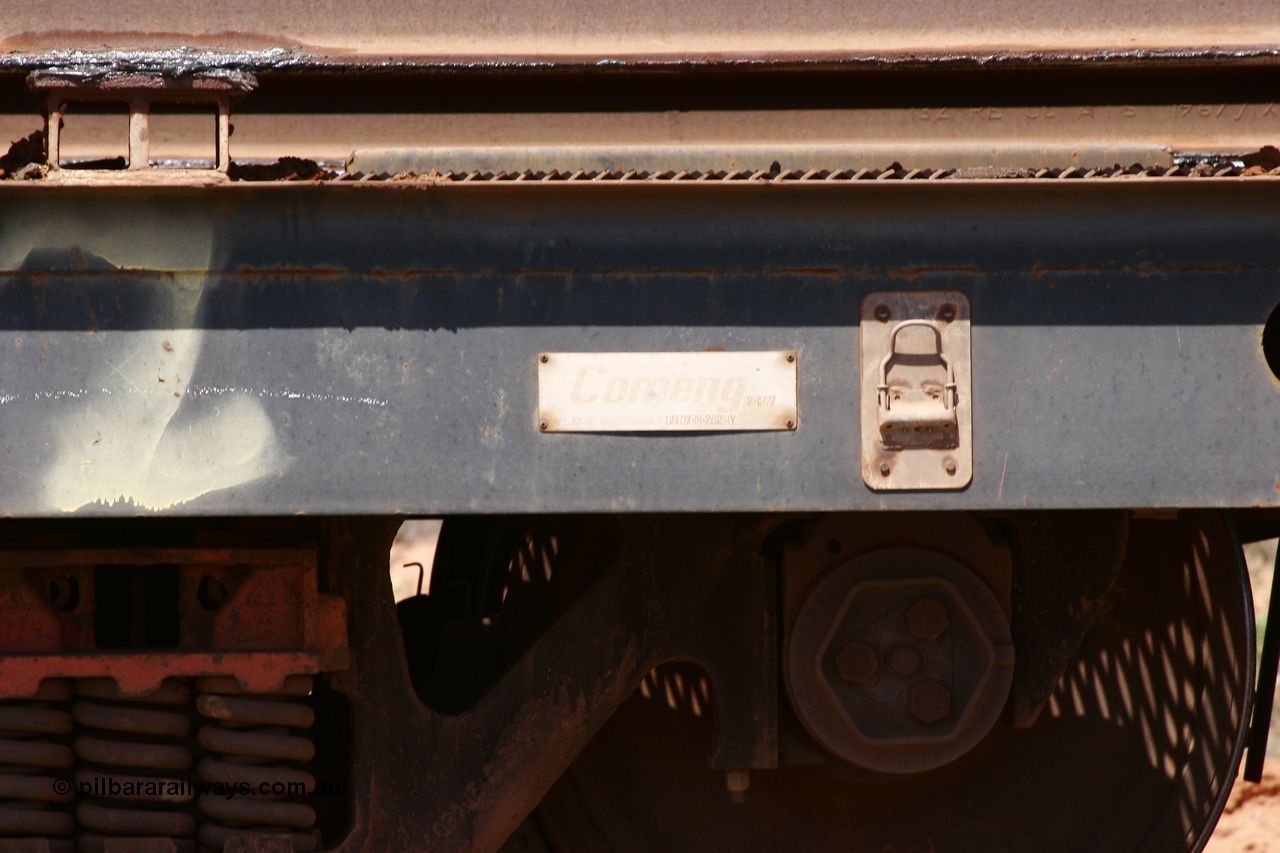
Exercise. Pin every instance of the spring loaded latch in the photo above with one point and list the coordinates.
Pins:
(916, 408)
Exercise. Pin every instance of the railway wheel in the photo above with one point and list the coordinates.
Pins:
(1136, 749)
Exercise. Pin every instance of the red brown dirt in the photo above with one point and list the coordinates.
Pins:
(1251, 821)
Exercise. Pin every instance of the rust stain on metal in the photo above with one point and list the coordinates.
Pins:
(820, 272)
(917, 272)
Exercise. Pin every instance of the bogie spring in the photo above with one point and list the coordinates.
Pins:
(254, 747)
(32, 748)
(127, 743)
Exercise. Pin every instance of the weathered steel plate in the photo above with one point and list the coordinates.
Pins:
(357, 348)
(667, 391)
(911, 449)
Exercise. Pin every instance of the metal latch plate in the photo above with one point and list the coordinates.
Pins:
(917, 391)
(667, 391)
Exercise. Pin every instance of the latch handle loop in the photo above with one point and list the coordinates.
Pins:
(949, 398)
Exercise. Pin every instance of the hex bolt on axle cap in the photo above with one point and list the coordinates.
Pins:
(898, 670)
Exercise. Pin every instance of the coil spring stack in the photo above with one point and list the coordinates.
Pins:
(103, 749)
(135, 741)
(33, 755)
(252, 744)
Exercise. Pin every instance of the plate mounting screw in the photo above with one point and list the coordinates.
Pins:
(885, 469)
(882, 313)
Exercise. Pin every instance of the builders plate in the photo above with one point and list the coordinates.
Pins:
(667, 391)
